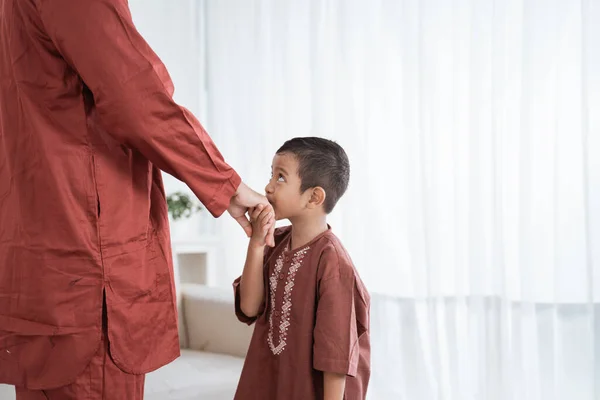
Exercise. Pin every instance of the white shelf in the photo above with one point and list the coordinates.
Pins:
(195, 260)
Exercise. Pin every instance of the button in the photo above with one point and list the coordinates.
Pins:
(276, 313)
(281, 276)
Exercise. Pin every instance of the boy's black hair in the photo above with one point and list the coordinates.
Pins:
(321, 162)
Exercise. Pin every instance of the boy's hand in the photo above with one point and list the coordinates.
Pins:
(262, 218)
(242, 203)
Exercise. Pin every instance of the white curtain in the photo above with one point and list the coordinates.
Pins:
(473, 213)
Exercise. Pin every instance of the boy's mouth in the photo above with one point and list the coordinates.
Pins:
(272, 203)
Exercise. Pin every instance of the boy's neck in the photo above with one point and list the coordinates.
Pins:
(306, 229)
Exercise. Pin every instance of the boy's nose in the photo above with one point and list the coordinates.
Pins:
(269, 188)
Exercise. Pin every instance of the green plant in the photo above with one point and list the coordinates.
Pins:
(182, 205)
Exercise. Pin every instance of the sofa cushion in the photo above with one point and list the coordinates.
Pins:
(210, 321)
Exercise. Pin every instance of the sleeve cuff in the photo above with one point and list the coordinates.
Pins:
(238, 310)
(220, 201)
(335, 365)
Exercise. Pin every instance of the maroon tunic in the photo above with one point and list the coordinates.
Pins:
(87, 118)
(315, 318)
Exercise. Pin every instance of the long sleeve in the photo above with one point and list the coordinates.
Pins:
(133, 94)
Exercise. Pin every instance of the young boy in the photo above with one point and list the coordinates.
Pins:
(311, 309)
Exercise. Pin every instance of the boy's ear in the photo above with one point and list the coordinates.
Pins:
(317, 197)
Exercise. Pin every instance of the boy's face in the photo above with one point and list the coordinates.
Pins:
(283, 190)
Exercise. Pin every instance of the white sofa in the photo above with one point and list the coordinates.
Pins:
(214, 345)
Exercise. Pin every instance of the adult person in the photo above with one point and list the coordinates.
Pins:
(87, 121)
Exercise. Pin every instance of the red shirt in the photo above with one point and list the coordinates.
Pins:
(315, 318)
(87, 120)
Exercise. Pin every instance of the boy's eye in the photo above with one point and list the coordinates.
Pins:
(280, 178)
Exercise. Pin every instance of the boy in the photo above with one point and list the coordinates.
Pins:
(311, 309)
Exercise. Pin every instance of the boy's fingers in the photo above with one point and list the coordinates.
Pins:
(265, 230)
(256, 212)
(266, 210)
(267, 218)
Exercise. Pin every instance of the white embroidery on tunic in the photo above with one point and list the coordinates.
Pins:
(286, 307)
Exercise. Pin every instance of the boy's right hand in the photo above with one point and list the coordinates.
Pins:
(262, 218)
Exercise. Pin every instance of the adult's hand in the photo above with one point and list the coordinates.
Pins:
(244, 199)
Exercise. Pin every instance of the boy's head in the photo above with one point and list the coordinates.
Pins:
(309, 174)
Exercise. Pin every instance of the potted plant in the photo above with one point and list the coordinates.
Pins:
(182, 205)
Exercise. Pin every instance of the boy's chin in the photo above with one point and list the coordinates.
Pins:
(279, 217)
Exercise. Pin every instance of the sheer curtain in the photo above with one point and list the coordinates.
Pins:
(473, 215)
